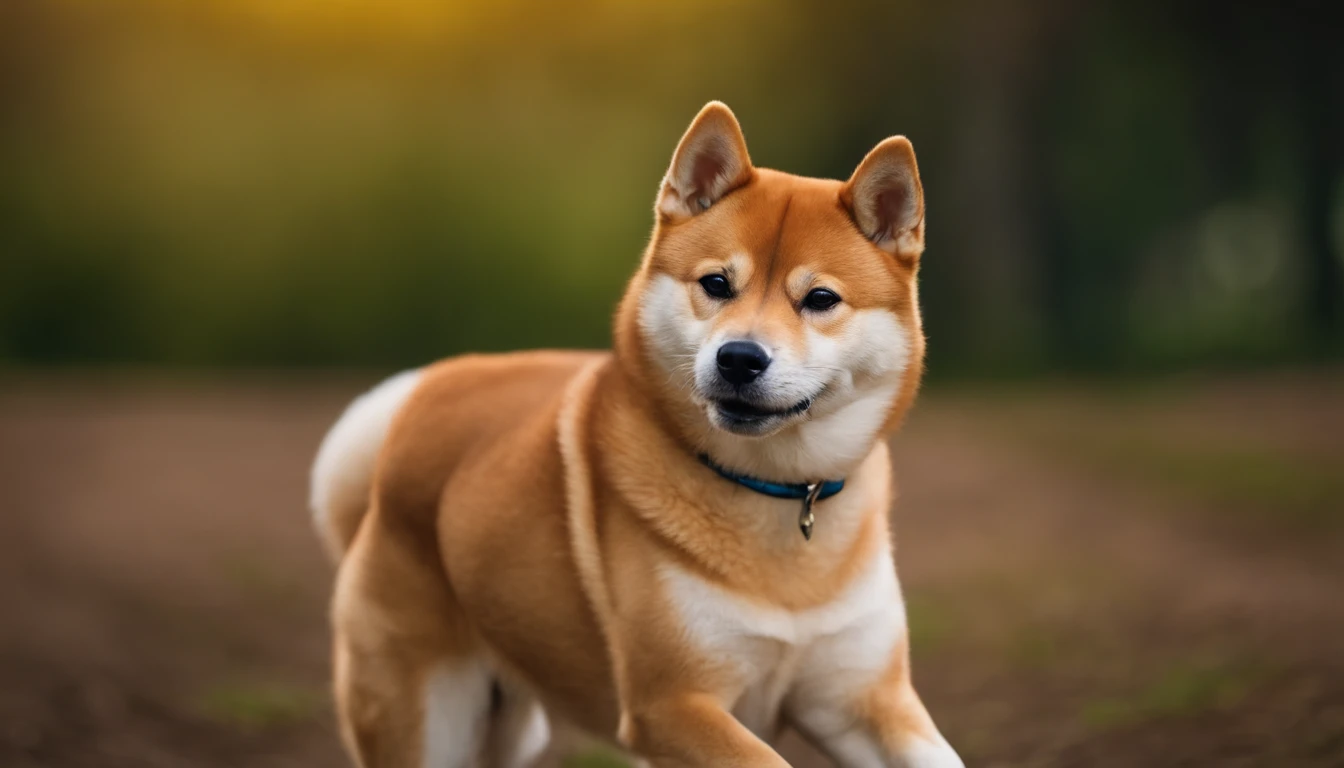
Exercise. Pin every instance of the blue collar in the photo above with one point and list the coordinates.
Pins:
(778, 490)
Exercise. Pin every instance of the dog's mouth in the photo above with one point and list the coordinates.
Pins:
(739, 413)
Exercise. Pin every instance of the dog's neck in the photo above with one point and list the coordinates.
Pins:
(744, 539)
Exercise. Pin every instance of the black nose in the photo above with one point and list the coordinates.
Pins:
(740, 362)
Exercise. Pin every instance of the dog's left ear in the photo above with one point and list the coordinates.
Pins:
(710, 162)
(886, 199)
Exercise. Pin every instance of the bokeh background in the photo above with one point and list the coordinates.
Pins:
(1122, 517)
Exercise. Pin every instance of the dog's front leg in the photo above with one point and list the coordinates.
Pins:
(693, 729)
(863, 712)
(887, 731)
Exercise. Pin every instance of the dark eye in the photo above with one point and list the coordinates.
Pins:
(821, 299)
(717, 286)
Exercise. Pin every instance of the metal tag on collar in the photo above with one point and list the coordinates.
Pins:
(806, 518)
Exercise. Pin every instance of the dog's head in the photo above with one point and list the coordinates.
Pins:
(775, 317)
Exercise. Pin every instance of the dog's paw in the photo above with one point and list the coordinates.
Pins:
(920, 753)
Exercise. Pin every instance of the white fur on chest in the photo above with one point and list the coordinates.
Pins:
(783, 659)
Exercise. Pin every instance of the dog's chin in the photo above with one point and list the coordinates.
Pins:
(749, 420)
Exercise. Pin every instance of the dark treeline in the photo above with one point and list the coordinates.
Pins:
(1111, 186)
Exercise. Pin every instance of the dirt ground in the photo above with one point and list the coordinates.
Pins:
(1096, 576)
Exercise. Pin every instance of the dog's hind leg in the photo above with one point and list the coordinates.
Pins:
(413, 689)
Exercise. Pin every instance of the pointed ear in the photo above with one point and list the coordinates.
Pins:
(886, 199)
(710, 162)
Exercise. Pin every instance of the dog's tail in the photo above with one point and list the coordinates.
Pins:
(342, 473)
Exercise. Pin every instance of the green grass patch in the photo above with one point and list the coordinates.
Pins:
(1242, 476)
(595, 758)
(256, 707)
(1183, 691)
(1252, 483)
(1034, 649)
(930, 623)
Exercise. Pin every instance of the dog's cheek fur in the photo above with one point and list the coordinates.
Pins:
(874, 351)
(871, 350)
(668, 323)
(881, 346)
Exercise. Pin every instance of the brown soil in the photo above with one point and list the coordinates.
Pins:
(1095, 577)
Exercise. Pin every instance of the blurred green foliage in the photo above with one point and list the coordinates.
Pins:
(309, 183)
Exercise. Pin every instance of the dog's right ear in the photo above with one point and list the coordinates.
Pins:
(710, 162)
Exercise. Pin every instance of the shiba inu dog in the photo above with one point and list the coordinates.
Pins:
(681, 545)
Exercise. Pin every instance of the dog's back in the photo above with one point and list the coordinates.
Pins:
(473, 400)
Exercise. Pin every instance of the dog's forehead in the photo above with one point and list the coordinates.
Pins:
(792, 223)
(776, 209)
(784, 226)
